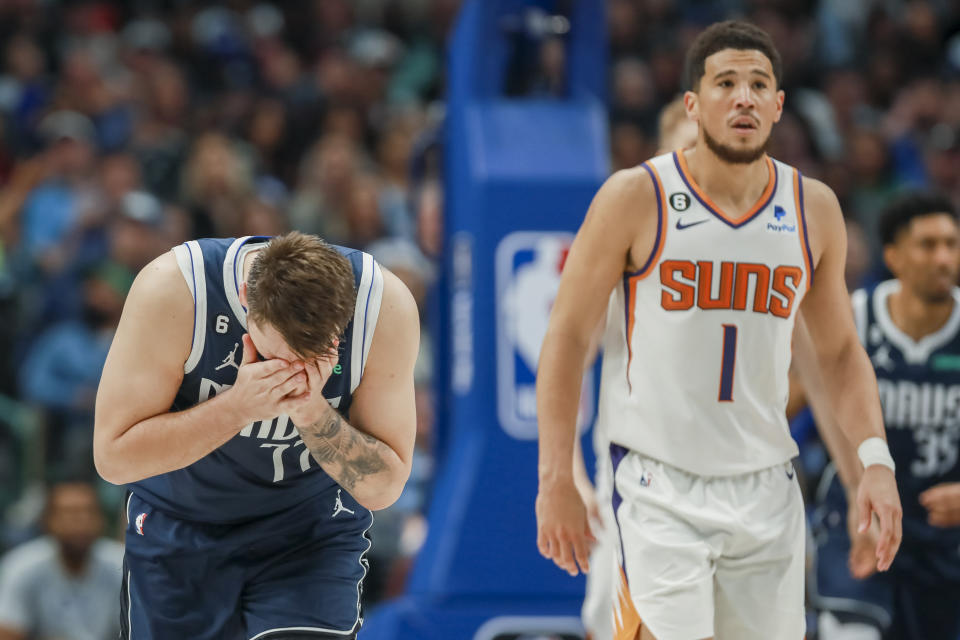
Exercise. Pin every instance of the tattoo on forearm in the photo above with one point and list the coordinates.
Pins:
(347, 454)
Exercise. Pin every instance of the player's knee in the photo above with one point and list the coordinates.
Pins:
(832, 629)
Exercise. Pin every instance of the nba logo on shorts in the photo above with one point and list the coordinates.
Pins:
(646, 478)
(138, 523)
(528, 266)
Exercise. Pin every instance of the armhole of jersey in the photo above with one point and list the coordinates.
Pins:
(661, 237)
(372, 313)
(802, 227)
(858, 299)
(369, 294)
(190, 260)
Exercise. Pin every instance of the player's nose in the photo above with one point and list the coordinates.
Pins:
(744, 97)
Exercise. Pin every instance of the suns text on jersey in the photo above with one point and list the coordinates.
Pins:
(686, 284)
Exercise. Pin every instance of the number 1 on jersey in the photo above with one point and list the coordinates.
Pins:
(728, 363)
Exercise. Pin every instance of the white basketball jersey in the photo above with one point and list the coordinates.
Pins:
(697, 345)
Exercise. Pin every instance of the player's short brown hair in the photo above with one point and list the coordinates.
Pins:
(731, 34)
(304, 288)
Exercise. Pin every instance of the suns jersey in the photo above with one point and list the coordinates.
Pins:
(266, 467)
(697, 343)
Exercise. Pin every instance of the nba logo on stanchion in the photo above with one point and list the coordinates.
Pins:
(528, 267)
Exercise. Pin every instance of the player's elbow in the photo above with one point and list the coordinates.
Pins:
(109, 462)
(105, 467)
(387, 492)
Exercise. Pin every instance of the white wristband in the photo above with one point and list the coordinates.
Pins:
(875, 451)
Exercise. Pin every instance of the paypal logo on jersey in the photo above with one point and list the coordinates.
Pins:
(527, 270)
(779, 213)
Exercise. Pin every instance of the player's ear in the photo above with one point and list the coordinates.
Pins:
(891, 257)
(692, 105)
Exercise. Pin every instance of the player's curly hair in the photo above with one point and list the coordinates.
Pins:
(304, 288)
(730, 34)
(898, 215)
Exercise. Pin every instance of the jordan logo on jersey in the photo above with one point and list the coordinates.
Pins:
(338, 507)
(231, 359)
(882, 360)
(686, 284)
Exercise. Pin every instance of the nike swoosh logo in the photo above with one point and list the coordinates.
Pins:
(681, 226)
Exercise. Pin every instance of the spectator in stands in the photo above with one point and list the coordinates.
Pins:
(62, 369)
(65, 584)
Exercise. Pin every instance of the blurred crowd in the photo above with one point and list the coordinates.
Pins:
(127, 128)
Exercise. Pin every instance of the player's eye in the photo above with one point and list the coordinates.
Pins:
(759, 85)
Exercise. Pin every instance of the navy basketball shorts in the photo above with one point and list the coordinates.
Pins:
(297, 574)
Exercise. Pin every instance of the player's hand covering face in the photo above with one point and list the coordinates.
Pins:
(309, 406)
(263, 385)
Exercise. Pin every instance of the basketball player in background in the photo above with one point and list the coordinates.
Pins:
(674, 131)
(710, 254)
(910, 327)
(258, 399)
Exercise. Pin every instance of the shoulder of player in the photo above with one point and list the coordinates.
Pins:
(398, 308)
(820, 203)
(625, 193)
(825, 225)
(396, 340)
(630, 183)
(162, 279)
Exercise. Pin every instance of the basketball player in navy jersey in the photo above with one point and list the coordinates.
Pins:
(910, 327)
(703, 259)
(258, 399)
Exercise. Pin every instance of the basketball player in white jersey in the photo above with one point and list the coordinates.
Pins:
(675, 131)
(708, 253)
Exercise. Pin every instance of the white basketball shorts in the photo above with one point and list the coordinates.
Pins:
(703, 557)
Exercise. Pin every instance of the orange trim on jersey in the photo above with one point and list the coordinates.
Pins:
(631, 280)
(626, 620)
(763, 201)
(802, 226)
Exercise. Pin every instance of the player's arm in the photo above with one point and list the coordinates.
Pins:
(370, 456)
(580, 476)
(135, 434)
(596, 262)
(847, 375)
(841, 450)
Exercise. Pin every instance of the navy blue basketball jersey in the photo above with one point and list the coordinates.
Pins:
(266, 467)
(919, 383)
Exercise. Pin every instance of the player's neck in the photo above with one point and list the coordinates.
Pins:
(245, 267)
(915, 316)
(735, 187)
